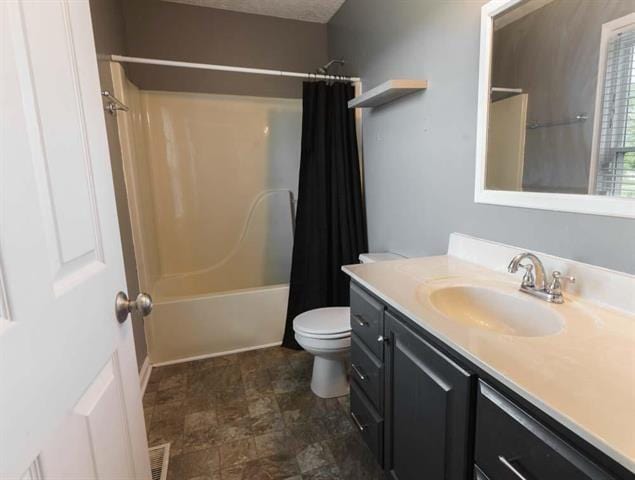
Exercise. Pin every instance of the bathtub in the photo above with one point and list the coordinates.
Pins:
(188, 328)
(234, 305)
(210, 181)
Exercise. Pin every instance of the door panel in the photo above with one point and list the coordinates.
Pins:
(98, 423)
(427, 409)
(64, 170)
(60, 253)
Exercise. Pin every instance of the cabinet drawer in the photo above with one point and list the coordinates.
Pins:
(367, 320)
(368, 421)
(368, 372)
(511, 445)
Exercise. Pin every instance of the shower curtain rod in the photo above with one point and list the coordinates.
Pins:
(228, 68)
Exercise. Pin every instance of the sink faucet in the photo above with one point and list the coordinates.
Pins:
(536, 284)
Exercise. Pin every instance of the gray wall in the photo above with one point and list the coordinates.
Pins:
(172, 31)
(420, 150)
(108, 26)
(108, 30)
(553, 54)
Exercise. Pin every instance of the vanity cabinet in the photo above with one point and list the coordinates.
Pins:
(510, 444)
(427, 413)
(367, 369)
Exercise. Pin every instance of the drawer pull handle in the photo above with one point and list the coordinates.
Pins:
(360, 321)
(358, 372)
(513, 469)
(357, 422)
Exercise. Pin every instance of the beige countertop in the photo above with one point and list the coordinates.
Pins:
(583, 376)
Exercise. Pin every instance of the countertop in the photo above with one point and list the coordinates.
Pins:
(583, 376)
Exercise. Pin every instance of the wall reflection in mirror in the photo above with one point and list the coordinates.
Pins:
(562, 111)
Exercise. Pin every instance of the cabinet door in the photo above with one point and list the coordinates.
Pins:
(427, 409)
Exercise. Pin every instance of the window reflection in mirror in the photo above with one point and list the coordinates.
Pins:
(562, 111)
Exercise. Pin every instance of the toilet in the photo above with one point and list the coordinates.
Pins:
(326, 334)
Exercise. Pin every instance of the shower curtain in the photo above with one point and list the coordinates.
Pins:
(330, 219)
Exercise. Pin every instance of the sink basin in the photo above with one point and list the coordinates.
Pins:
(496, 311)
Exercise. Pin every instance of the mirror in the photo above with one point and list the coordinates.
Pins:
(557, 105)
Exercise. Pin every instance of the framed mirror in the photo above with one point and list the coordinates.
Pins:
(556, 108)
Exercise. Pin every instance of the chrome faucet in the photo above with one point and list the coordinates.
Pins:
(536, 284)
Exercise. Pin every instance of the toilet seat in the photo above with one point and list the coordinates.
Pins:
(333, 336)
(321, 345)
(324, 323)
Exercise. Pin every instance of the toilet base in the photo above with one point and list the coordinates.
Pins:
(330, 376)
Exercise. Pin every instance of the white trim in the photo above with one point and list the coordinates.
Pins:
(359, 128)
(520, 12)
(218, 354)
(591, 204)
(228, 68)
(608, 30)
(144, 375)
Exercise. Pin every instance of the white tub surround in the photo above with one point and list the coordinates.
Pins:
(211, 181)
(583, 376)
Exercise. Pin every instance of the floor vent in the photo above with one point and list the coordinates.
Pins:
(159, 457)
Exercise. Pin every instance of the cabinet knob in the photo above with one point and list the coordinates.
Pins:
(382, 339)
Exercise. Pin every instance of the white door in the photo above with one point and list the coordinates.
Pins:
(70, 405)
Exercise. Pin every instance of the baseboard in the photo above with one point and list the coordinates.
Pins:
(144, 374)
(211, 355)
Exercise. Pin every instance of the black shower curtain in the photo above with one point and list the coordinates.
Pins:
(330, 220)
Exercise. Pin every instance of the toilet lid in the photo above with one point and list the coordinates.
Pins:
(329, 321)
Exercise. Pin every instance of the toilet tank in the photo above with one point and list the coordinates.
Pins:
(379, 257)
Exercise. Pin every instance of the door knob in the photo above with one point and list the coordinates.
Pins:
(124, 306)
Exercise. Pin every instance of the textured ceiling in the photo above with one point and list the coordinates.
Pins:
(319, 11)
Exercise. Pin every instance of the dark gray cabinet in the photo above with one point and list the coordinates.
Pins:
(510, 444)
(368, 421)
(367, 320)
(367, 369)
(427, 413)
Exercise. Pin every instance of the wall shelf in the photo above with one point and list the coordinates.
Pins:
(387, 92)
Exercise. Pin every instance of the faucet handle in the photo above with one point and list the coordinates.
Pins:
(555, 287)
(529, 280)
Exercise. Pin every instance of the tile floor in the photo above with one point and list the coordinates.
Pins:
(252, 416)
